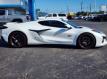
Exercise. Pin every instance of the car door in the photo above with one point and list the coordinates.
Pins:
(57, 33)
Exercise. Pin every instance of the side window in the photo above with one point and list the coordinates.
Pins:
(57, 24)
(9, 12)
(18, 12)
(49, 15)
(53, 23)
(62, 15)
(2, 12)
(54, 15)
(45, 23)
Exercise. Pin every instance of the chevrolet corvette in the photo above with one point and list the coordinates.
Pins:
(52, 31)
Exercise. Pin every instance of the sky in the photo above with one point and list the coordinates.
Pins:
(57, 6)
(68, 5)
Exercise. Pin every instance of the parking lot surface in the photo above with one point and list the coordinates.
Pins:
(54, 62)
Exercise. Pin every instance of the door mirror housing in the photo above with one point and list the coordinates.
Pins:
(69, 27)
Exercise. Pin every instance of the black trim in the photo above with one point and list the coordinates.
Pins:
(3, 27)
(39, 31)
(2, 39)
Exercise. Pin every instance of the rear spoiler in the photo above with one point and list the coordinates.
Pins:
(3, 27)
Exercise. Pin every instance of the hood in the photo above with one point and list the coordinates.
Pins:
(83, 27)
(91, 29)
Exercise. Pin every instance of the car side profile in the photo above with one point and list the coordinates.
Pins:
(52, 31)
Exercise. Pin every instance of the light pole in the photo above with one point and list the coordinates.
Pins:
(32, 9)
(95, 5)
(81, 5)
(90, 8)
(68, 6)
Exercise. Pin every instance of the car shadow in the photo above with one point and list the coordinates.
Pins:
(53, 46)
(4, 45)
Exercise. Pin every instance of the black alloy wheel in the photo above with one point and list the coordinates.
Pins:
(86, 41)
(17, 40)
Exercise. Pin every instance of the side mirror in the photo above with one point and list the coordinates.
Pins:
(69, 27)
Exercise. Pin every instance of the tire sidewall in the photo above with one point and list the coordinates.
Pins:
(92, 37)
(23, 37)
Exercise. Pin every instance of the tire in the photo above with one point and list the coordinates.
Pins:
(86, 41)
(17, 40)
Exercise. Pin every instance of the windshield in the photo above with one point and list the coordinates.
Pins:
(72, 24)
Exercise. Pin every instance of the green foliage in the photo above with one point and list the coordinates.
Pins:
(82, 13)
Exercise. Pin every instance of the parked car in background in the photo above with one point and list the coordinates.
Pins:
(101, 17)
(97, 17)
(54, 16)
(80, 17)
(70, 16)
(13, 16)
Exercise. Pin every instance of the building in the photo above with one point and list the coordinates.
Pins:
(18, 5)
(27, 6)
(103, 8)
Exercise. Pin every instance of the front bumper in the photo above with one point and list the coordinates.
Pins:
(104, 40)
(101, 41)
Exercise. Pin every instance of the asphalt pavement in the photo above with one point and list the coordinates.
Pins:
(54, 62)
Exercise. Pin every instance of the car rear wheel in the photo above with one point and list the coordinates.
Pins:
(86, 41)
(17, 40)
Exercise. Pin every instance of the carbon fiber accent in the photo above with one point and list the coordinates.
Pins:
(40, 31)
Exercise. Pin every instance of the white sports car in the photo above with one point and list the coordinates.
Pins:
(51, 32)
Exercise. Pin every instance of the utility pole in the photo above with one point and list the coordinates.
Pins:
(70, 1)
(90, 8)
(95, 5)
(68, 6)
(81, 5)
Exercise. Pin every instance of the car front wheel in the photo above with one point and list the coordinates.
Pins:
(86, 41)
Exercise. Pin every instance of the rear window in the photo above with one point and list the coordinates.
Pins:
(2, 12)
(61, 14)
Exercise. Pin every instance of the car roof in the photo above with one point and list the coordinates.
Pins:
(32, 22)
